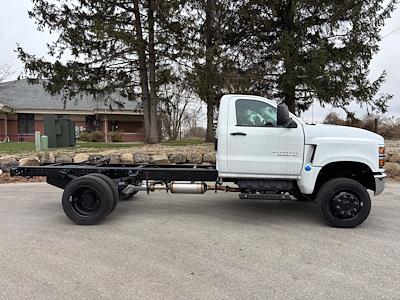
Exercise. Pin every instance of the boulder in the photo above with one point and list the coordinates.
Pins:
(29, 161)
(178, 158)
(142, 158)
(64, 159)
(115, 160)
(393, 169)
(7, 163)
(394, 158)
(209, 157)
(81, 157)
(159, 159)
(195, 158)
(127, 158)
(96, 158)
(47, 158)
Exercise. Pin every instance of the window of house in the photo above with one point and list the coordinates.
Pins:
(92, 123)
(114, 126)
(255, 113)
(26, 123)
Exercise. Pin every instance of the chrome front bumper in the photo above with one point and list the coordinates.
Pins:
(379, 183)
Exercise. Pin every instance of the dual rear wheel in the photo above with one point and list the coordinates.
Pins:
(89, 199)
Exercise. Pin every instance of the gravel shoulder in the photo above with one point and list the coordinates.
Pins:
(165, 246)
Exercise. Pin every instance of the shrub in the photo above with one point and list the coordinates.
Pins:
(116, 136)
(84, 136)
(389, 128)
(96, 136)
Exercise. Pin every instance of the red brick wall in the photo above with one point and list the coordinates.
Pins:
(133, 131)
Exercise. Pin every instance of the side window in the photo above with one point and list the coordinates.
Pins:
(255, 113)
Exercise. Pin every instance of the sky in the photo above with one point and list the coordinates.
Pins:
(17, 28)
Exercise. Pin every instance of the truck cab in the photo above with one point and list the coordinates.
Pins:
(265, 149)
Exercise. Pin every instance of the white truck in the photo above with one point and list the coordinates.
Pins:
(263, 153)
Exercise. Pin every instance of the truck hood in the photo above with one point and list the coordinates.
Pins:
(317, 133)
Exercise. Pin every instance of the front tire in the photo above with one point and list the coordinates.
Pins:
(87, 200)
(343, 203)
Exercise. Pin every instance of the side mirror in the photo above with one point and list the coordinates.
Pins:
(284, 118)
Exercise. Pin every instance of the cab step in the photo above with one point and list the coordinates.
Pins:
(278, 197)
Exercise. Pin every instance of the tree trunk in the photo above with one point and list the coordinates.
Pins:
(154, 134)
(210, 136)
(289, 78)
(209, 74)
(144, 81)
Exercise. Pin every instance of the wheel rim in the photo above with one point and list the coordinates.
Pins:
(85, 201)
(346, 205)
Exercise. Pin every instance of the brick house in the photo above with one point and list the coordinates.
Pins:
(23, 105)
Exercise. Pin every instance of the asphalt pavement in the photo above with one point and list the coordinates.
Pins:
(165, 246)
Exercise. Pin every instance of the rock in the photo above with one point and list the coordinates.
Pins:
(394, 158)
(29, 161)
(159, 159)
(81, 157)
(393, 169)
(64, 159)
(127, 158)
(7, 163)
(195, 158)
(96, 158)
(178, 158)
(115, 159)
(209, 157)
(142, 158)
(47, 158)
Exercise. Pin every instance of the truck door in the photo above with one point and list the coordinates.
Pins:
(257, 146)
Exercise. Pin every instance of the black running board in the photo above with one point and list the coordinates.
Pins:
(279, 197)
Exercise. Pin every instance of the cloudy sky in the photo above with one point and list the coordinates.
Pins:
(16, 27)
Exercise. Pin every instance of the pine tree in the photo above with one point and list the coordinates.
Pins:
(211, 64)
(114, 48)
(303, 51)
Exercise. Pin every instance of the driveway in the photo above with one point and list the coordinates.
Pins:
(209, 246)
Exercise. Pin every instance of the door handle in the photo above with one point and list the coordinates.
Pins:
(238, 133)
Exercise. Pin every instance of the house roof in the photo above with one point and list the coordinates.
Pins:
(20, 95)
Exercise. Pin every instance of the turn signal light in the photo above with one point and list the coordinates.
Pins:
(381, 163)
(382, 157)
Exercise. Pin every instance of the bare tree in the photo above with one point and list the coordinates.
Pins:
(192, 123)
(5, 72)
(176, 101)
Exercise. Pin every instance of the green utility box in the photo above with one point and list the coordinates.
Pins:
(61, 132)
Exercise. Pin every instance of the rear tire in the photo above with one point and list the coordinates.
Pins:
(87, 200)
(343, 203)
(112, 185)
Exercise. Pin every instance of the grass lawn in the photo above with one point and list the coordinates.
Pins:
(14, 147)
(184, 142)
(101, 145)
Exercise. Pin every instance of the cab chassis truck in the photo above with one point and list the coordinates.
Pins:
(263, 153)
